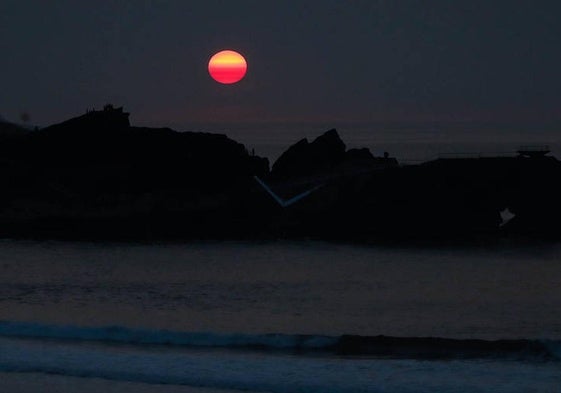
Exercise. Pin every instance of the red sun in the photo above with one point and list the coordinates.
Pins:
(227, 67)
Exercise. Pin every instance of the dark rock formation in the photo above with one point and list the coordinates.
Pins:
(360, 160)
(362, 155)
(8, 129)
(304, 158)
(107, 120)
(442, 200)
(325, 156)
(95, 176)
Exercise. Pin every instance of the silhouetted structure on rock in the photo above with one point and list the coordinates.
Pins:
(108, 119)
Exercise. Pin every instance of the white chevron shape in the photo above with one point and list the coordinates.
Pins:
(287, 202)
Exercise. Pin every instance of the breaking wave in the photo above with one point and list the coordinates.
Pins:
(352, 345)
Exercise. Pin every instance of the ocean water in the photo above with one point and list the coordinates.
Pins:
(279, 317)
(410, 143)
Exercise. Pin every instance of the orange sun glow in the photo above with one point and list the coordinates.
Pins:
(227, 67)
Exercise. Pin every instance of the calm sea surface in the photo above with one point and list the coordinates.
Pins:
(232, 315)
(409, 143)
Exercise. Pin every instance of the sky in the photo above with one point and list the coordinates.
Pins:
(388, 61)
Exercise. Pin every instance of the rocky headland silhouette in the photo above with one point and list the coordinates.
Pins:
(8, 129)
(96, 177)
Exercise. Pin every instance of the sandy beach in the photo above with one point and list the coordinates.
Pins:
(37, 382)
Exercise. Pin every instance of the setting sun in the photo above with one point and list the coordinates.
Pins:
(227, 67)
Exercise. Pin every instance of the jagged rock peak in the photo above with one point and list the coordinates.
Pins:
(331, 137)
(303, 157)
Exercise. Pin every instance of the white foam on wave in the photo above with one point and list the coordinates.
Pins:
(274, 373)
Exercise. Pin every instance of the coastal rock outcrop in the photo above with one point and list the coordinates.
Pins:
(326, 156)
(98, 177)
(304, 158)
(8, 129)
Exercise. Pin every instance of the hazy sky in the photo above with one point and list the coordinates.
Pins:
(322, 60)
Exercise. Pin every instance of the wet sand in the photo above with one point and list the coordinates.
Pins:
(37, 382)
